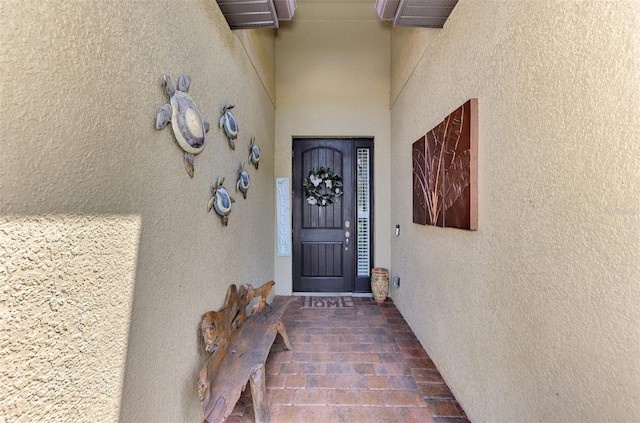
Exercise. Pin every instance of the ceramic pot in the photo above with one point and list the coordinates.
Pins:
(380, 283)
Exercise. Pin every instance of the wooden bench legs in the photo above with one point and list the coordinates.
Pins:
(282, 330)
(259, 394)
(258, 380)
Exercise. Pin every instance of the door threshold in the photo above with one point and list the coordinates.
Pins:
(332, 294)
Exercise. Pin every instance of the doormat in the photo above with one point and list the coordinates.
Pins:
(326, 302)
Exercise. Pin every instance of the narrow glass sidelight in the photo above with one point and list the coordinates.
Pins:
(363, 212)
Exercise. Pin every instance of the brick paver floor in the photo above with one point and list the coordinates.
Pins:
(362, 364)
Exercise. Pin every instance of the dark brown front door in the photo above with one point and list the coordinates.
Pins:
(324, 238)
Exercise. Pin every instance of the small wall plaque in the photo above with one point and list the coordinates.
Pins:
(283, 217)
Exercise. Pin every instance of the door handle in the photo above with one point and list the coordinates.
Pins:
(347, 235)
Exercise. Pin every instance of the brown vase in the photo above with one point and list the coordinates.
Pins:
(380, 283)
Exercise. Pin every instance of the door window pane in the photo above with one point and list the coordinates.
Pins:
(364, 218)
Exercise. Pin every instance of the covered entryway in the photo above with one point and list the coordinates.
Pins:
(332, 242)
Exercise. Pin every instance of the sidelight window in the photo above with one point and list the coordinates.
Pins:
(364, 212)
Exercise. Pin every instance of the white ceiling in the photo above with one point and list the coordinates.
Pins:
(347, 10)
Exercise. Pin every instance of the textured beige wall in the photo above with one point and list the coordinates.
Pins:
(332, 79)
(534, 317)
(64, 310)
(260, 46)
(102, 226)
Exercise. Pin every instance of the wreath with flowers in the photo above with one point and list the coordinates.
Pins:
(322, 187)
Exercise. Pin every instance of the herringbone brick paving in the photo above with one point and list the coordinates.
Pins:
(361, 364)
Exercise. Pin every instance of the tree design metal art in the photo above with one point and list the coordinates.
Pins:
(445, 171)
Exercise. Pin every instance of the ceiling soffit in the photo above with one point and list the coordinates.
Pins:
(253, 14)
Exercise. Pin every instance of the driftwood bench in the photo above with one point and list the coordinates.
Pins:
(238, 343)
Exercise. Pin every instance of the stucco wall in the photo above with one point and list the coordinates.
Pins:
(102, 228)
(332, 79)
(534, 317)
(65, 310)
